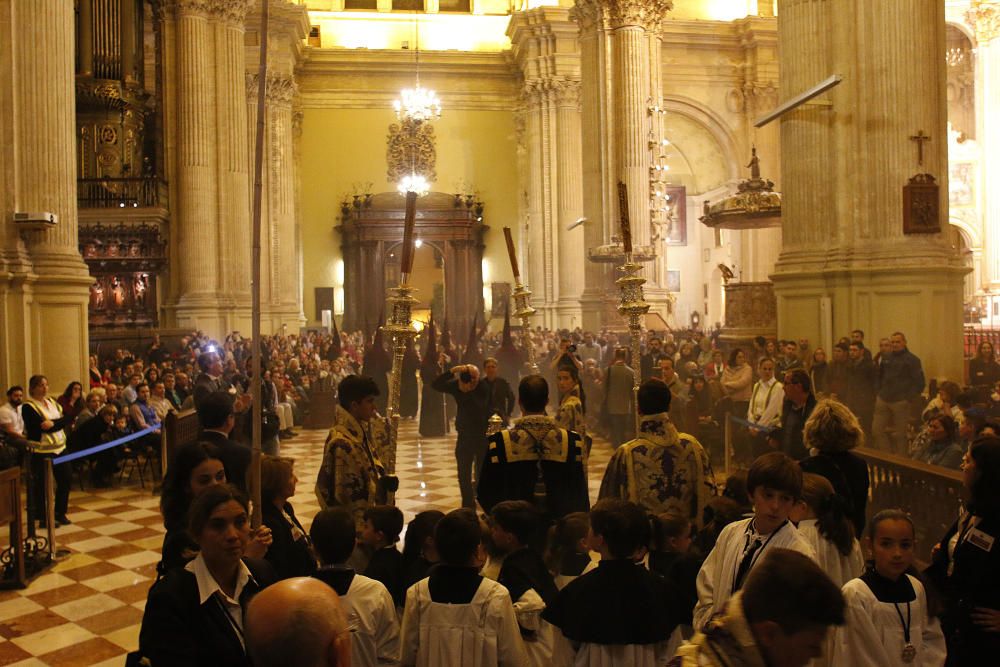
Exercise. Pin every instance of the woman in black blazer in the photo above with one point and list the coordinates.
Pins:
(194, 615)
(965, 564)
(290, 553)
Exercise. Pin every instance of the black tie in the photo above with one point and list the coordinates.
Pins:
(744, 568)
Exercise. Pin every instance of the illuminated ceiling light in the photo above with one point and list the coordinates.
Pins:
(418, 243)
(418, 104)
(414, 183)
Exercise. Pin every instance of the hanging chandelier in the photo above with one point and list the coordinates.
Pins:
(414, 183)
(419, 104)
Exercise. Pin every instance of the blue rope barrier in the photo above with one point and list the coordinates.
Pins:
(750, 424)
(66, 458)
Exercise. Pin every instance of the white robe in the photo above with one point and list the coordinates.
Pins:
(715, 579)
(840, 568)
(618, 655)
(481, 633)
(528, 610)
(372, 622)
(873, 635)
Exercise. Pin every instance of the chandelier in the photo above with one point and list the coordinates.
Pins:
(419, 104)
(413, 182)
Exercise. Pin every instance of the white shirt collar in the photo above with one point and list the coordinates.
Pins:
(207, 585)
(768, 383)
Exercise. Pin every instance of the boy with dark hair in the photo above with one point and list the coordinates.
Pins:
(780, 618)
(350, 472)
(455, 617)
(619, 613)
(515, 527)
(371, 613)
(774, 484)
(218, 419)
(383, 523)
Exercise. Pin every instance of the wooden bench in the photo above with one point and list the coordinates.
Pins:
(322, 410)
(179, 428)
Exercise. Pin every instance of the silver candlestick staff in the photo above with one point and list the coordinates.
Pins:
(400, 327)
(632, 305)
(522, 304)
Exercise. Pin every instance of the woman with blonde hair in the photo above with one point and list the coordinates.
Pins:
(830, 433)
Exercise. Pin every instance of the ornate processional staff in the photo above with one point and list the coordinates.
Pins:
(400, 327)
(632, 305)
(522, 302)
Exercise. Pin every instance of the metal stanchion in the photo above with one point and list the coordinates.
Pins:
(50, 502)
(727, 446)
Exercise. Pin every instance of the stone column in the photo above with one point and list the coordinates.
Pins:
(985, 17)
(544, 47)
(44, 286)
(597, 151)
(208, 162)
(845, 261)
(569, 203)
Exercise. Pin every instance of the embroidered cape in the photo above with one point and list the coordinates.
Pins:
(350, 470)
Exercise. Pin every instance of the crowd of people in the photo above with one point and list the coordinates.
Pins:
(670, 564)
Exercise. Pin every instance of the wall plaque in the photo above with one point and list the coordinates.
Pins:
(921, 213)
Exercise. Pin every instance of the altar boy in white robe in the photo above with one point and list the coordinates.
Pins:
(620, 613)
(774, 484)
(455, 617)
(888, 621)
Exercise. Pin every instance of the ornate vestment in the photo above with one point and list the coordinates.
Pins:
(350, 470)
(661, 470)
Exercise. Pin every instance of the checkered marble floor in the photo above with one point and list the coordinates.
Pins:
(87, 608)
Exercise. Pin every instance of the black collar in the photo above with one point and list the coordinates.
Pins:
(887, 590)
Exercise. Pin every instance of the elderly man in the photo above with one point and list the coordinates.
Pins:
(678, 393)
(298, 622)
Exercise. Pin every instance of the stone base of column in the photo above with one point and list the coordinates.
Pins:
(592, 310)
(569, 314)
(923, 302)
(661, 302)
(43, 320)
(216, 315)
(273, 318)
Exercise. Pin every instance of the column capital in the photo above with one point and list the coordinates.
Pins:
(565, 92)
(984, 16)
(230, 11)
(587, 14)
(281, 88)
(646, 14)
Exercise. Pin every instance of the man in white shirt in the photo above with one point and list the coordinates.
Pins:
(10, 414)
(767, 396)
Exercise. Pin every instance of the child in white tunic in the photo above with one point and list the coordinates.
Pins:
(822, 520)
(774, 483)
(455, 617)
(888, 622)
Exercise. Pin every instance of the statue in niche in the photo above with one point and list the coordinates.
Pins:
(117, 293)
(97, 295)
(754, 165)
(139, 288)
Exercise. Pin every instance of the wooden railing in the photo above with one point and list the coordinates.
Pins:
(930, 494)
(179, 428)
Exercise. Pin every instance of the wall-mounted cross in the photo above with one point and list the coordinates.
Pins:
(920, 138)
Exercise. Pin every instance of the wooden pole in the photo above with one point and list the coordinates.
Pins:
(255, 341)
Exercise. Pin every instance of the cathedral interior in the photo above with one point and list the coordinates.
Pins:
(792, 169)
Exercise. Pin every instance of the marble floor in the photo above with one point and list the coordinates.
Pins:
(86, 609)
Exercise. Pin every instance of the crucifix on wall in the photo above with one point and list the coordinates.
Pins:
(920, 138)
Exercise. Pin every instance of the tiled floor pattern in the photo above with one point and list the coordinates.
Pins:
(87, 608)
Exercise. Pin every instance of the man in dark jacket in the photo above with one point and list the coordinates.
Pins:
(215, 412)
(501, 396)
(798, 406)
(471, 419)
(860, 396)
(900, 381)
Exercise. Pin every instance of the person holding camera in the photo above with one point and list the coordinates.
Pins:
(567, 358)
(351, 475)
(473, 400)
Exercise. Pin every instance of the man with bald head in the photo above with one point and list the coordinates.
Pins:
(298, 622)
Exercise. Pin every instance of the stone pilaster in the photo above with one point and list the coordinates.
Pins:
(845, 259)
(984, 16)
(44, 287)
(544, 45)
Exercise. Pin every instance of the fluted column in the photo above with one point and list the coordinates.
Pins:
(569, 205)
(544, 45)
(985, 17)
(207, 158)
(44, 286)
(846, 262)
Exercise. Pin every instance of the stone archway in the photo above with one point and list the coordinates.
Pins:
(372, 227)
